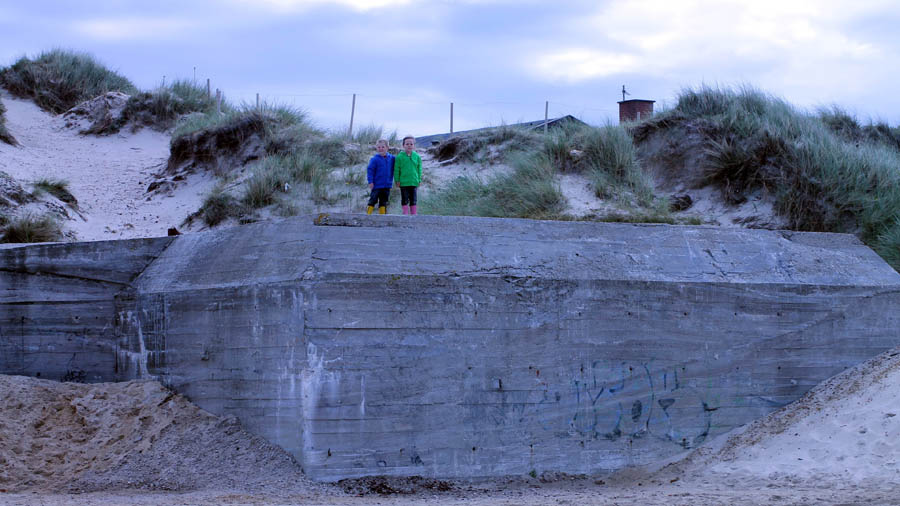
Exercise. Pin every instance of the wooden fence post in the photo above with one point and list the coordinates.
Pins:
(546, 114)
(352, 112)
(451, 117)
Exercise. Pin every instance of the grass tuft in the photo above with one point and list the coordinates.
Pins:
(848, 127)
(58, 188)
(530, 191)
(218, 206)
(5, 136)
(607, 155)
(32, 228)
(277, 174)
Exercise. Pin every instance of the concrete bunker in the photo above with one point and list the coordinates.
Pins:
(457, 347)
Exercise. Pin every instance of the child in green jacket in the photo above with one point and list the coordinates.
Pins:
(408, 174)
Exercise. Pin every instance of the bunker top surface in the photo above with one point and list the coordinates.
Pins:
(312, 247)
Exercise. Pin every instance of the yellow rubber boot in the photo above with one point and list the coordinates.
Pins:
(382, 210)
(369, 209)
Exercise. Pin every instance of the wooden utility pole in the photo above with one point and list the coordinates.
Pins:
(451, 117)
(257, 101)
(208, 93)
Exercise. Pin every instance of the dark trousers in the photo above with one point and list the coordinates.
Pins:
(408, 195)
(380, 195)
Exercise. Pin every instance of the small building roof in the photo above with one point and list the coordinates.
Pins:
(428, 140)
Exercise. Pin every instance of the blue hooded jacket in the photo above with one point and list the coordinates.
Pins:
(381, 171)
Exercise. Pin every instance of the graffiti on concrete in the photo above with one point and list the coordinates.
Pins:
(602, 400)
(616, 400)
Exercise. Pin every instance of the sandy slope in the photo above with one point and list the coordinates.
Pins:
(845, 433)
(107, 175)
(837, 445)
(136, 434)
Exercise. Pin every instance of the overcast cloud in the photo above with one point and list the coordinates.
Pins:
(498, 61)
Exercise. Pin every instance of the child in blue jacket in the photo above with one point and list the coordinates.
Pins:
(380, 176)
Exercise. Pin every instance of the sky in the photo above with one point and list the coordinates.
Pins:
(497, 61)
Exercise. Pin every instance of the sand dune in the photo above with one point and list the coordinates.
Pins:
(108, 175)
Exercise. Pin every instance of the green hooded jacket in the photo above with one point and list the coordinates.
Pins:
(408, 169)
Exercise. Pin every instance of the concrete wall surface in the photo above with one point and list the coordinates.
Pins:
(459, 347)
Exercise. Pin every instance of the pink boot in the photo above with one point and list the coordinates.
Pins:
(405, 209)
(412, 209)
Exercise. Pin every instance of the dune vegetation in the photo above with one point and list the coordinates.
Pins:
(822, 170)
(5, 136)
(59, 79)
(825, 171)
(271, 155)
(30, 228)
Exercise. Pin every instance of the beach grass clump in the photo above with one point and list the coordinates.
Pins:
(330, 150)
(59, 188)
(198, 122)
(287, 127)
(31, 228)
(278, 174)
(529, 191)
(848, 127)
(368, 135)
(261, 188)
(606, 155)
(826, 171)
(488, 145)
(5, 136)
(218, 206)
(282, 129)
(513, 138)
(59, 79)
(887, 243)
(160, 108)
(641, 217)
